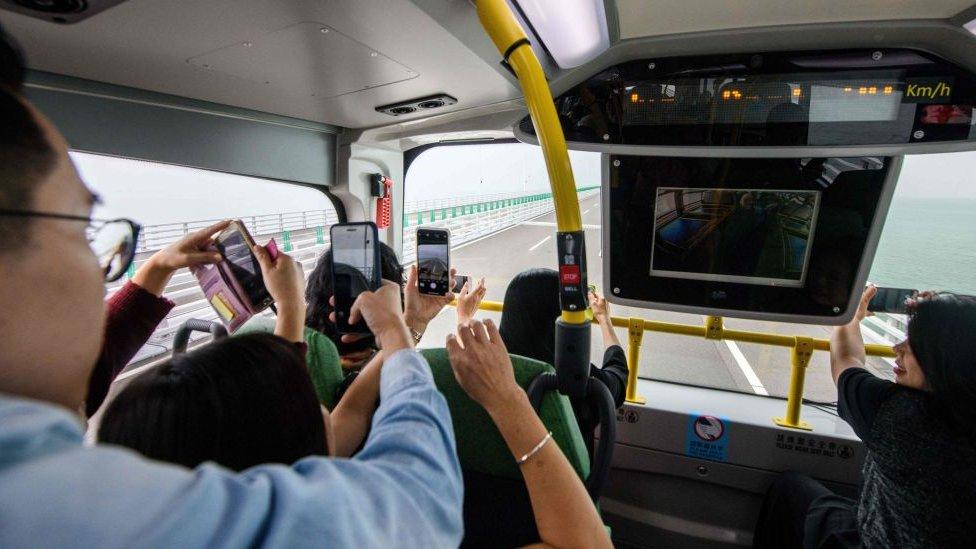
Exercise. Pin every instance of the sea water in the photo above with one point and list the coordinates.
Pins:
(928, 243)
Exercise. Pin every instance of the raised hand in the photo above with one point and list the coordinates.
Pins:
(468, 301)
(482, 366)
(383, 315)
(420, 309)
(193, 249)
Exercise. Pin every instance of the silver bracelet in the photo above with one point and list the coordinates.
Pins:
(535, 450)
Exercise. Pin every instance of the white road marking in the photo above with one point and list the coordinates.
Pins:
(540, 243)
(743, 363)
(587, 211)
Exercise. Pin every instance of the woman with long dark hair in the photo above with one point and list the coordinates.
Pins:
(919, 479)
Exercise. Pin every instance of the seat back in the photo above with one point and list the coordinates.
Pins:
(480, 446)
(324, 365)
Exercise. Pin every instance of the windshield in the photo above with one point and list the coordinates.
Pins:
(928, 242)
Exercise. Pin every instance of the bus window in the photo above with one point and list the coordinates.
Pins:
(170, 201)
(494, 198)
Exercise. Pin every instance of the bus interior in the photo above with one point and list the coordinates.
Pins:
(735, 170)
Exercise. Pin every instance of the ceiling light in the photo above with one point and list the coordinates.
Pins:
(574, 31)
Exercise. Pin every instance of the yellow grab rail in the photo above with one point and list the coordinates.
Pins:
(713, 328)
(513, 44)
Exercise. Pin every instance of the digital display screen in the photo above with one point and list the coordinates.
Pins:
(785, 239)
(749, 236)
(433, 265)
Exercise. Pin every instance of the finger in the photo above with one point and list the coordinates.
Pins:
(465, 334)
(332, 300)
(478, 330)
(493, 334)
(412, 277)
(351, 338)
(332, 317)
(452, 278)
(448, 297)
(263, 257)
(355, 312)
(452, 346)
(481, 284)
(206, 233)
(466, 289)
(201, 258)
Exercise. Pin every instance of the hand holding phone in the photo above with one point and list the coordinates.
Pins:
(433, 261)
(891, 300)
(355, 269)
(234, 243)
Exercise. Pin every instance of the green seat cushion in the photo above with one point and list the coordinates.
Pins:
(324, 366)
(480, 446)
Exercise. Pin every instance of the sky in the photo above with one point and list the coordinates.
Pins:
(154, 193)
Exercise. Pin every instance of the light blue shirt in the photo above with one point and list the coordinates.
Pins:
(402, 490)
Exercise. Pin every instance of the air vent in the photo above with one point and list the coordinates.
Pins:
(58, 11)
(420, 104)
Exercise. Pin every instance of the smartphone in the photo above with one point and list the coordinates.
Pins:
(891, 300)
(234, 244)
(459, 282)
(355, 269)
(433, 261)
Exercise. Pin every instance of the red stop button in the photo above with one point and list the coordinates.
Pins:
(569, 274)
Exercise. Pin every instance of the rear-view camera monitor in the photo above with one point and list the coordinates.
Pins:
(749, 236)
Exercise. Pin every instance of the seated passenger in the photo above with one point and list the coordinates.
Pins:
(356, 351)
(528, 328)
(919, 485)
(404, 487)
(240, 402)
(564, 513)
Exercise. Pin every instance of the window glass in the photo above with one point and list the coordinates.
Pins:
(929, 241)
(169, 201)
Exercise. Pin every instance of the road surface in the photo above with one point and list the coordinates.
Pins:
(745, 367)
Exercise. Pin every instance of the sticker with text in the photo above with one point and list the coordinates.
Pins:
(708, 437)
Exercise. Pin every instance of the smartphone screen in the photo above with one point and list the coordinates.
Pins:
(459, 282)
(891, 300)
(234, 246)
(355, 269)
(433, 263)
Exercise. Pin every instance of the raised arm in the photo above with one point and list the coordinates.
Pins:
(847, 343)
(564, 514)
(353, 414)
(601, 312)
(286, 283)
(136, 309)
(469, 299)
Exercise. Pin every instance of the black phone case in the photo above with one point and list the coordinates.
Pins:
(421, 288)
(341, 285)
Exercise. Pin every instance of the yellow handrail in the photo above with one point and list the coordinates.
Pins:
(512, 43)
(713, 328)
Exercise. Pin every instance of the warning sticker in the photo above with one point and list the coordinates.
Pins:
(813, 446)
(707, 438)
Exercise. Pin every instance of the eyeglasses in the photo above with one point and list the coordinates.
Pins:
(112, 241)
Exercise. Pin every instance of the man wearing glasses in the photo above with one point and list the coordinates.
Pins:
(403, 489)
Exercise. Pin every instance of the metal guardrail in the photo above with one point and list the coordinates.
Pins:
(802, 350)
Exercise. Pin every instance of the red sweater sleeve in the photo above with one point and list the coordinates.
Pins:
(132, 316)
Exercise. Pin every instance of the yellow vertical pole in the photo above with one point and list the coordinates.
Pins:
(800, 358)
(635, 335)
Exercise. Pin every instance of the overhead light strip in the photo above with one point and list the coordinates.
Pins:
(574, 31)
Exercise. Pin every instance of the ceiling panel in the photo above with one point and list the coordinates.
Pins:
(640, 18)
(163, 45)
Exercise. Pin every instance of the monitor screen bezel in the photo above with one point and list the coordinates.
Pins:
(844, 316)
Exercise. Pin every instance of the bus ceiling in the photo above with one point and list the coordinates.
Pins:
(336, 62)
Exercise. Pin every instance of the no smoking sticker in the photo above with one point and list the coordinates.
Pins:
(707, 437)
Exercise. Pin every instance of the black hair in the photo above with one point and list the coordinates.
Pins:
(12, 66)
(940, 334)
(319, 289)
(26, 155)
(241, 401)
(529, 313)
